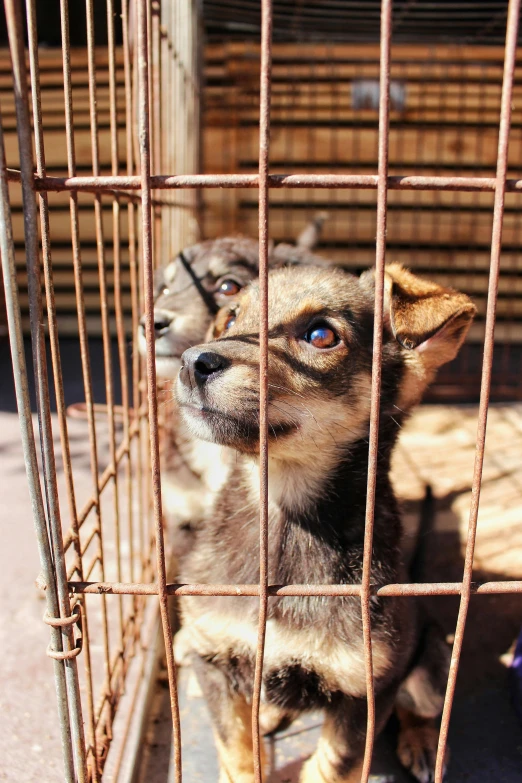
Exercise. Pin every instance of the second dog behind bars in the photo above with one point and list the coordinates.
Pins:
(191, 289)
(319, 380)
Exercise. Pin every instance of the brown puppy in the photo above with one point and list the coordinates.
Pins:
(320, 354)
(191, 289)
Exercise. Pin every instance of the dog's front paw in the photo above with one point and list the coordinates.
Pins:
(183, 647)
(417, 751)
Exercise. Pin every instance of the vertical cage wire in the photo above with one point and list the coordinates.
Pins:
(56, 365)
(104, 304)
(373, 446)
(104, 705)
(29, 451)
(489, 343)
(66, 650)
(264, 194)
(148, 283)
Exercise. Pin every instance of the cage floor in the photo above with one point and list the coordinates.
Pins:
(483, 749)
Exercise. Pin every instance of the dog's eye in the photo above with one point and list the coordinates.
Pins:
(230, 321)
(165, 292)
(321, 336)
(229, 287)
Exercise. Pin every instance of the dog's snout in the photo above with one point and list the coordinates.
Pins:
(199, 365)
(162, 321)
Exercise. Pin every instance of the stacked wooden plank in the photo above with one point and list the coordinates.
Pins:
(443, 122)
(54, 132)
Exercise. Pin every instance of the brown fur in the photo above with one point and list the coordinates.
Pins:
(235, 747)
(417, 744)
(318, 421)
(192, 474)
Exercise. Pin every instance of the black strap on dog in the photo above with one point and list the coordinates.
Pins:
(205, 295)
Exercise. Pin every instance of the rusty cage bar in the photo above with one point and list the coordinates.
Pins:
(143, 191)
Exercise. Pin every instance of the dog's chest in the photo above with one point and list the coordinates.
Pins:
(313, 654)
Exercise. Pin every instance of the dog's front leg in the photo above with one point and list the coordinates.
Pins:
(339, 754)
(232, 720)
(340, 751)
(417, 745)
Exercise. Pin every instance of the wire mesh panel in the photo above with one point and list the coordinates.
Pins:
(109, 528)
(103, 554)
(444, 110)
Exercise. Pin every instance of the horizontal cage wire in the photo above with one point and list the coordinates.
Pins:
(113, 163)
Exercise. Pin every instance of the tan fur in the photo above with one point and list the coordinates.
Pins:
(430, 321)
(339, 664)
(417, 744)
(420, 691)
(328, 425)
(416, 379)
(181, 495)
(189, 492)
(271, 716)
(236, 757)
(323, 766)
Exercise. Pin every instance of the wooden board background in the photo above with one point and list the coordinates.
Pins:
(447, 125)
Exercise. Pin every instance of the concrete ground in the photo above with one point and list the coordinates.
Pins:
(436, 447)
(29, 739)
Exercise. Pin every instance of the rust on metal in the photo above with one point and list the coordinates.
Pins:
(60, 655)
(67, 622)
(280, 591)
(29, 451)
(59, 622)
(341, 181)
(86, 373)
(103, 287)
(148, 285)
(25, 146)
(375, 398)
(136, 370)
(487, 365)
(264, 149)
(58, 378)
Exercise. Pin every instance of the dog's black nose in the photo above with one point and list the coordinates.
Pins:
(208, 363)
(200, 365)
(162, 321)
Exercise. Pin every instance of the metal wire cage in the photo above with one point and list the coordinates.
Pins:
(114, 124)
(144, 207)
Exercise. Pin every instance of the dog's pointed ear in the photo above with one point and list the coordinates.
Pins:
(425, 317)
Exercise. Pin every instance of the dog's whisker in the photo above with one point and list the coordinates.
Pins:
(284, 388)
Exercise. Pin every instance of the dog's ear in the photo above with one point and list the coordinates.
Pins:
(425, 317)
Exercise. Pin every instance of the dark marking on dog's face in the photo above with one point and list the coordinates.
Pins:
(320, 332)
(203, 278)
(191, 289)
